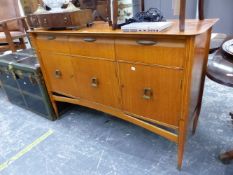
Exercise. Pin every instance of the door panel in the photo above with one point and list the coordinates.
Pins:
(60, 73)
(97, 81)
(151, 92)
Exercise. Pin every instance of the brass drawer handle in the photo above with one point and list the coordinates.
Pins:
(146, 42)
(89, 39)
(94, 82)
(51, 37)
(147, 93)
(57, 74)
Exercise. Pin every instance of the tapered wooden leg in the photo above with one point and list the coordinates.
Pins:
(195, 121)
(181, 142)
(201, 9)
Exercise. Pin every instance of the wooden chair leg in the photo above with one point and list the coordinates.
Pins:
(143, 6)
(182, 15)
(8, 37)
(22, 43)
(201, 9)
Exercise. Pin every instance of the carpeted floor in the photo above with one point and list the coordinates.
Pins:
(87, 142)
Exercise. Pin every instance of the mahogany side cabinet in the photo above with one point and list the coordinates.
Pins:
(154, 80)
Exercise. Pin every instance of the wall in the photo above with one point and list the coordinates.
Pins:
(222, 9)
(166, 7)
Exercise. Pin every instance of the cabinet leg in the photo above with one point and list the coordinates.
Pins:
(226, 157)
(181, 142)
(54, 105)
(55, 109)
(195, 121)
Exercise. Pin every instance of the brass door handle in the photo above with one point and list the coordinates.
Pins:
(146, 42)
(94, 82)
(51, 37)
(57, 74)
(147, 93)
(89, 39)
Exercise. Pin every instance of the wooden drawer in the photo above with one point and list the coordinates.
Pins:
(53, 43)
(60, 73)
(152, 51)
(92, 47)
(151, 92)
(52, 20)
(97, 81)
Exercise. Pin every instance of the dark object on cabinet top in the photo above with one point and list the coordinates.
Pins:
(75, 19)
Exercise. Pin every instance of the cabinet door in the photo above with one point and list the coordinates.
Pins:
(60, 73)
(151, 92)
(97, 81)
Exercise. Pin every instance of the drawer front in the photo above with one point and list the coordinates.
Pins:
(151, 92)
(60, 73)
(53, 43)
(152, 51)
(97, 81)
(64, 20)
(92, 47)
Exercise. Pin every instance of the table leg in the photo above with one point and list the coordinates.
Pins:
(226, 157)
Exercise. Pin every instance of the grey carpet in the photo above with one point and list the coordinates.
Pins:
(87, 142)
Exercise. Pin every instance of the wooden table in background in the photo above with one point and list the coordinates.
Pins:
(220, 70)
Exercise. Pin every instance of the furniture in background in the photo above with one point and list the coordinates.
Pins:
(182, 12)
(75, 19)
(154, 80)
(12, 26)
(216, 41)
(220, 70)
(23, 83)
(30, 6)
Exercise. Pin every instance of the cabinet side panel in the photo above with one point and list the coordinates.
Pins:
(200, 59)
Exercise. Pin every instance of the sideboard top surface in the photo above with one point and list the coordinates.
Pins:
(192, 27)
